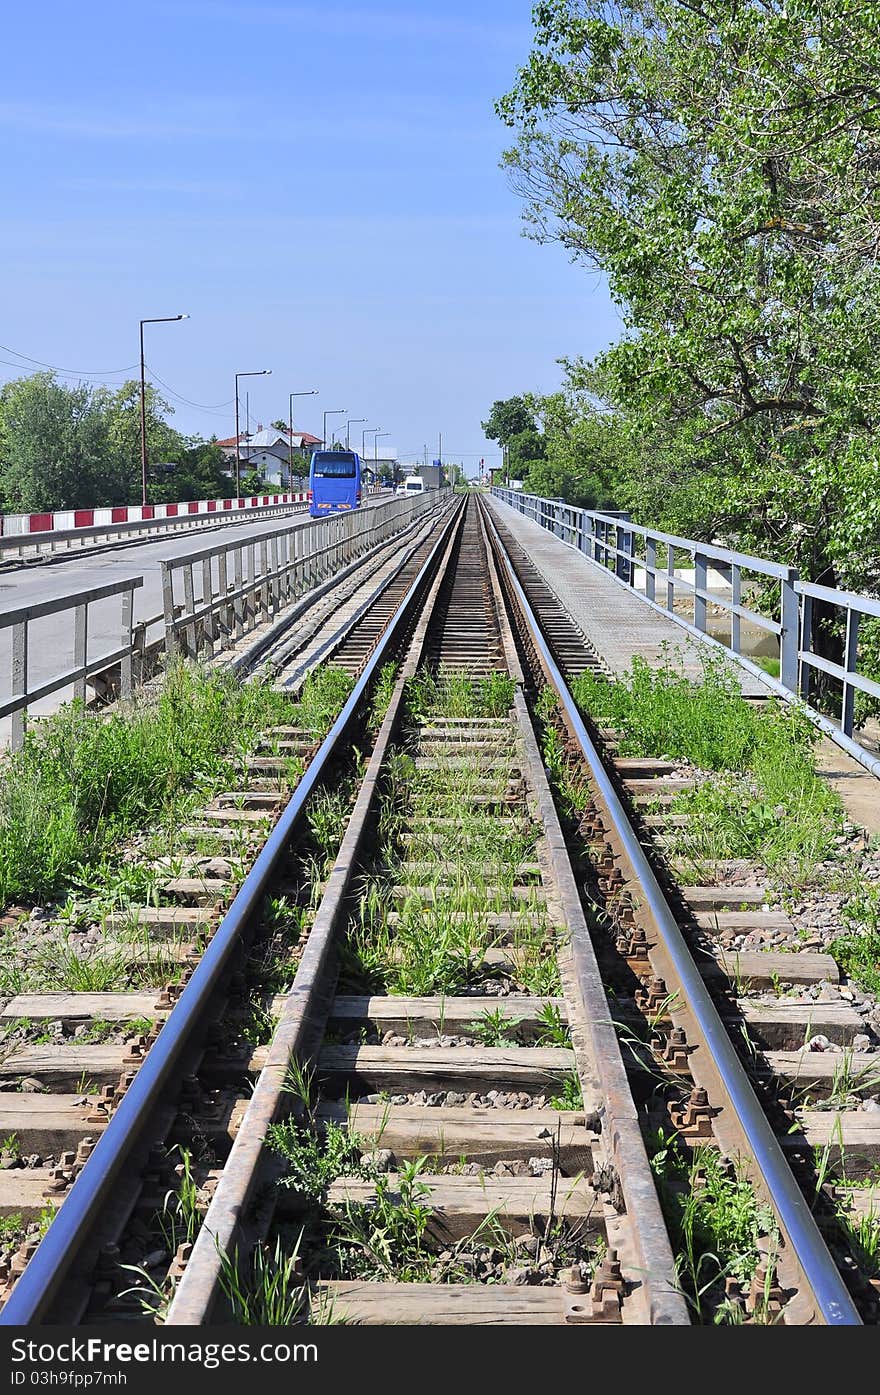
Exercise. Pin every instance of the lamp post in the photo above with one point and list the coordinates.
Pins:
(257, 373)
(159, 320)
(376, 453)
(348, 425)
(291, 396)
(339, 412)
(368, 431)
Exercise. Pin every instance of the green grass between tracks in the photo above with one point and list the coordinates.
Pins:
(767, 803)
(85, 781)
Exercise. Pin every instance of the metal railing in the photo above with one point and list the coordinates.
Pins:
(649, 562)
(20, 619)
(14, 545)
(224, 592)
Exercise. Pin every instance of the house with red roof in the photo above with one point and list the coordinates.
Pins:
(270, 451)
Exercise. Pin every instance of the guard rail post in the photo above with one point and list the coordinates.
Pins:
(651, 568)
(789, 638)
(19, 619)
(850, 661)
(735, 602)
(701, 576)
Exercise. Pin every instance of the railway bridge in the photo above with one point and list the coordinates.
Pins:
(466, 912)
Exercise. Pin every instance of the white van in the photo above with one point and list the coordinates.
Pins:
(414, 485)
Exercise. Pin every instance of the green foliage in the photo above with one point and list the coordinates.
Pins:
(858, 950)
(321, 699)
(75, 447)
(494, 1027)
(507, 419)
(252, 482)
(586, 452)
(200, 472)
(659, 711)
(387, 1237)
(717, 163)
(382, 694)
(262, 1291)
(83, 781)
(55, 447)
(314, 1160)
(716, 1222)
(456, 695)
(570, 1096)
(768, 804)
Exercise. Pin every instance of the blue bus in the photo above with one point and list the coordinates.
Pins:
(334, 482)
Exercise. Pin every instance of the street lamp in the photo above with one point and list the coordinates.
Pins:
(160, 320)
(257, 373)
(368, 431)
(376, 453)
(339, 412)
(291, 396)
(348, 426)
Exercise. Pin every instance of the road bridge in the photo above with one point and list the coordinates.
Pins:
(61, 575)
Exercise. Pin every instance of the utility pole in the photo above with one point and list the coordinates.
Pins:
(290, 397)
(160, 320)
(257, 373)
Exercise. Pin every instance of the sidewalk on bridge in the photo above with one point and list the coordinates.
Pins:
(620, 626)
(616, 622)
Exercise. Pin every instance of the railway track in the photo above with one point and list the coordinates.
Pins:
(447, 1037)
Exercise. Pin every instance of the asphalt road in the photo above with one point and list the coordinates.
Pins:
(51, 637)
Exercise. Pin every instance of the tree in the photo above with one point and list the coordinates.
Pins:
(72, 447)
(200, 472)
(508, 418)
(252, 482)
(54, 445)
(718, 162)
(584, 451)
(122, 412)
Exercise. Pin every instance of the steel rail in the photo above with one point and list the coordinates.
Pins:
(305, 1007)
(57, 1251)
(832, 1297)
(262, 651)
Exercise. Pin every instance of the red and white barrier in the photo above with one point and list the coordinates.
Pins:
(13, 524)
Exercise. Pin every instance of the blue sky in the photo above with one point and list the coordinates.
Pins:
(316, 184)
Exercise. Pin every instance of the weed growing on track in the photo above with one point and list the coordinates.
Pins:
(494, 1028)
(659, 711)
(862, 1235)
(767, 804)
(314, 1160)
(392, 1236)
(84, 781)
(717, 1224)
(321, 699)
(570, 1096)
(265, 1290)
(858, 949)
(382, 694)
(456, 695)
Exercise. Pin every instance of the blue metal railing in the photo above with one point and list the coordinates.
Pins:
(648, 563)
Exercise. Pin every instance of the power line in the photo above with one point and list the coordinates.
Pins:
(68, 372)
(202, 406)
